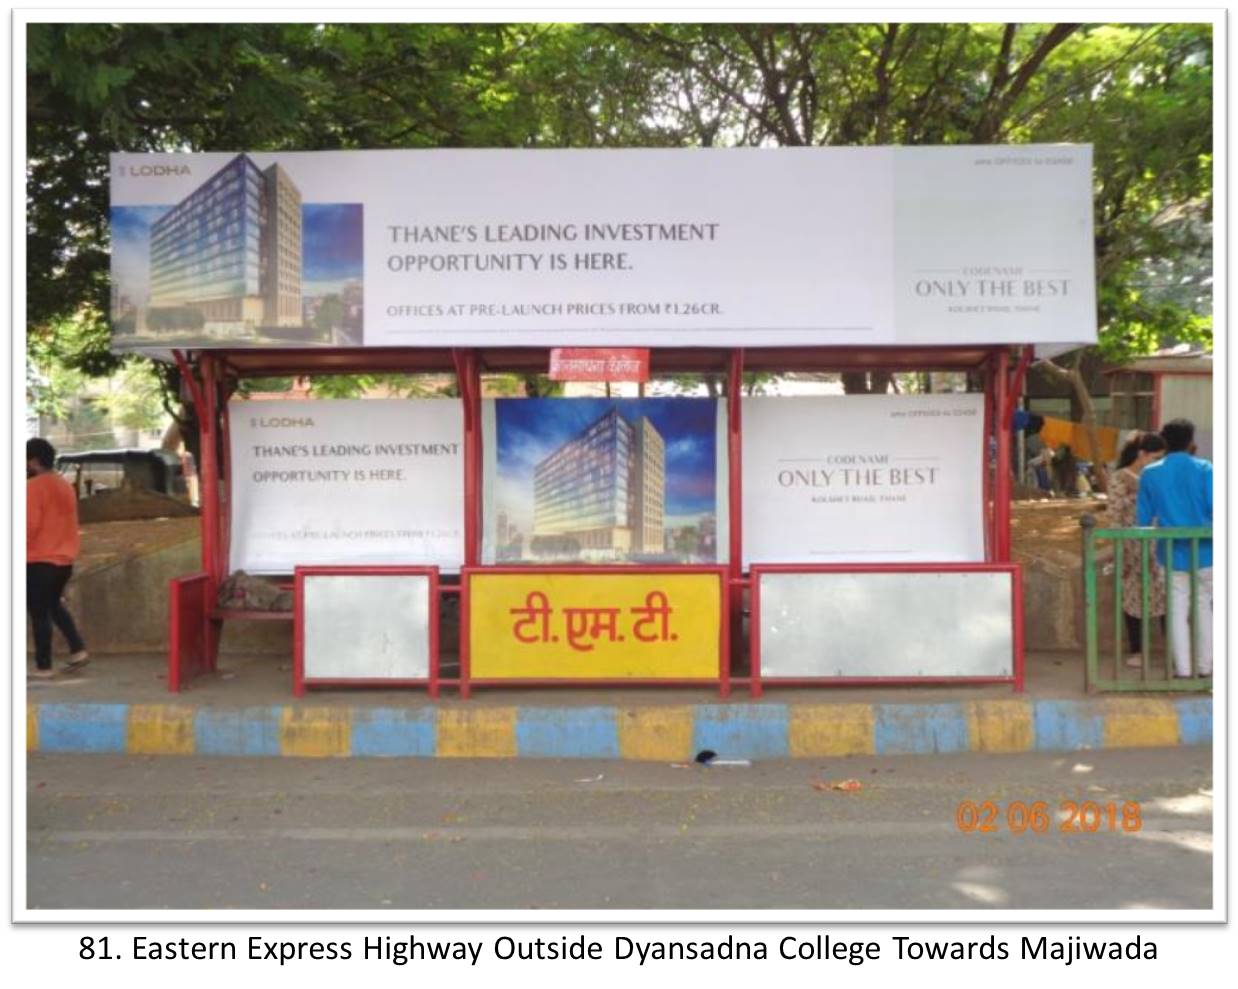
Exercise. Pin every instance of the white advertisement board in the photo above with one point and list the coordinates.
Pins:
(642, 247)
(346, 482)
(863, 479)
(886, 625)
(366, 627)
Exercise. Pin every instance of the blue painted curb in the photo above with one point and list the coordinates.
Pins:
(740, 730)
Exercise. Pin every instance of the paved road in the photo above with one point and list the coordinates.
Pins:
(141, 832)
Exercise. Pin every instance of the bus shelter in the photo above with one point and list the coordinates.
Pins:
(733, 542)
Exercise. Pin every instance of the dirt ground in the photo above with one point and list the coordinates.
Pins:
(1046, 530)
(1049, 530)
(105, 543)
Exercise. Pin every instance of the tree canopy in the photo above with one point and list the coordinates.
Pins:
(1141, 94)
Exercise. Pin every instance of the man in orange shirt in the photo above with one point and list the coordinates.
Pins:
(52, 544)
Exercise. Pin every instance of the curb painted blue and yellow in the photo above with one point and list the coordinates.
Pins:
(654, 733)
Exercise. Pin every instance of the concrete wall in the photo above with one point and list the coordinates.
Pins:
(123, 608)
(1052, 606)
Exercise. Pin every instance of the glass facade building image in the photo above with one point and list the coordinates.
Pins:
(228, 256)
(602, 494)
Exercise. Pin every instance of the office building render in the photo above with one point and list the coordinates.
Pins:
(602, 494)
(231, 251)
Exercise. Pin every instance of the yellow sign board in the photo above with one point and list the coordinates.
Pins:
(547, 625)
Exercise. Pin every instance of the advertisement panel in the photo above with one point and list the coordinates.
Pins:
(637, 247)
(863, 478)
(631, 480)
(548, 625)
(949, 624)
(371, 626)
(346, 482)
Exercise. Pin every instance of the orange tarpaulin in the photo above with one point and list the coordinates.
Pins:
(1062, 432)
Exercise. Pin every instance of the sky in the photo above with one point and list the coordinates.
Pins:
(530, 429)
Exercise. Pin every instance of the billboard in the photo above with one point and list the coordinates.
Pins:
(863, 479)
(377, 481)
(838, 624)
(585, 480)
(365, 626)
(547, 625)
(642, 247)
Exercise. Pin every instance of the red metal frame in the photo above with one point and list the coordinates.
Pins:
(469, 378)
(988, 520)
(1020, 375)
(1001, 481)
(735, 494)
(189, 629)
(300, 681)
(1001, 390)
(225, 516)
(1016, 597)
(467, 681)
(195, 390)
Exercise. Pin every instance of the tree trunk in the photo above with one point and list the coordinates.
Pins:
(867, 382)
(171, 441)
(1074, 377)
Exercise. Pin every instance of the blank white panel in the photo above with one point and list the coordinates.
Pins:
(366, 626)
(886, 625)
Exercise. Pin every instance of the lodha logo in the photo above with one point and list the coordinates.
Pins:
(148, 171)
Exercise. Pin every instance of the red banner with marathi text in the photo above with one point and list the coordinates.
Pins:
(599, 364)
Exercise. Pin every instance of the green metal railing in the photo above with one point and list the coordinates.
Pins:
(1150, 676)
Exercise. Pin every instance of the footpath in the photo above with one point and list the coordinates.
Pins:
(120, 704)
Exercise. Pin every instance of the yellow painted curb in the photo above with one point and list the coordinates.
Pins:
(1139, 723)
(1001, 726)
(830, 730)
(655, 734)
(477, 733)
(32, 727)
(315, 731)
(159, 729)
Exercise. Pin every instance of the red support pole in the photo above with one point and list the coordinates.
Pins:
(435, 612)
(208, 479)
(474, 370)
(208, 470)
(1020, 374)
(468, 374)
(298, 634)
(465, 639)
(754, 634)
(469, 378)
(1001, 487)
(225, 504)
(1016, 583)
(187, 377)
(987, 468)
(735, 505)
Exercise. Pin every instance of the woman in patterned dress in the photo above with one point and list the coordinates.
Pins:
(1143, 449)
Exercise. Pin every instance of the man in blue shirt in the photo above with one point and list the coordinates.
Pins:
(1173, 493)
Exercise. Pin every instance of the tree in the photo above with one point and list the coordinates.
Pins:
(93, 89)
(133, 399)
(1141, 94)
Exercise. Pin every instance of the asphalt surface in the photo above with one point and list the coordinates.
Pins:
(115, 832)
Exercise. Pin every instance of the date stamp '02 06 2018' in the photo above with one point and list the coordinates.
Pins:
(1019, 817)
